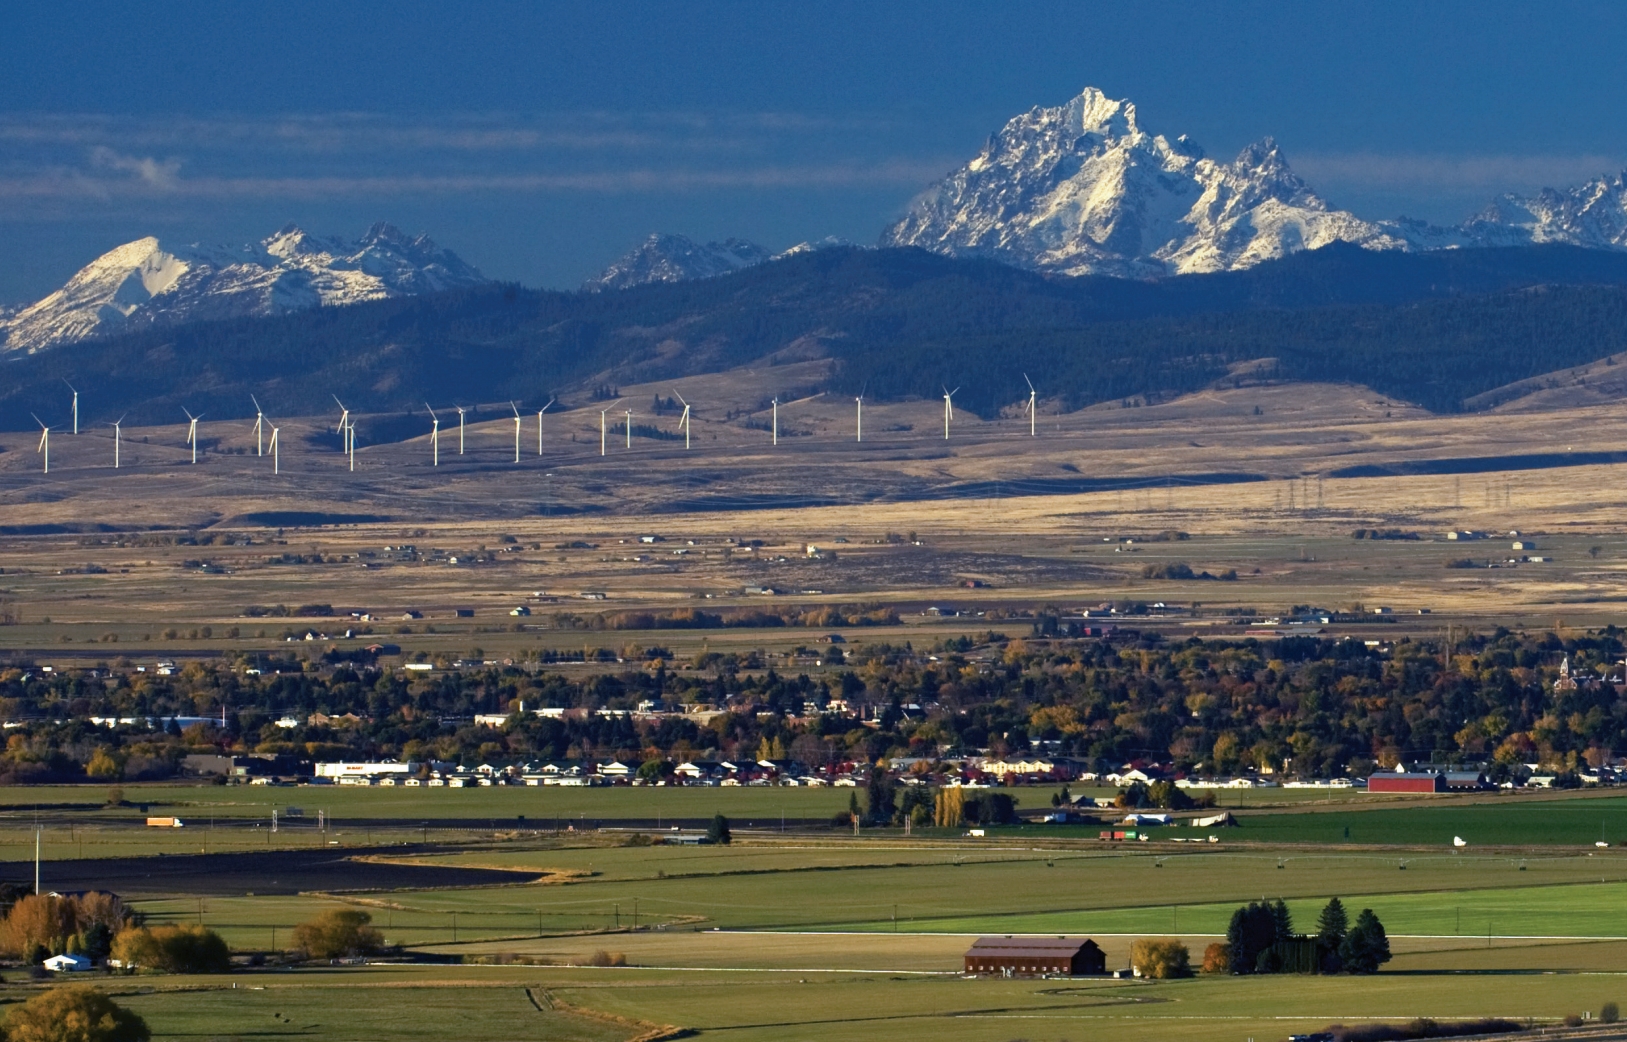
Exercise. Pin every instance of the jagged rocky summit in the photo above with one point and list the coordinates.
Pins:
(146, 283)
(1084, 189)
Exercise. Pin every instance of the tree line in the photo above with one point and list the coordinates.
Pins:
(1313, 707)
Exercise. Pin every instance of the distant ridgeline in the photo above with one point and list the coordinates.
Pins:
(1434, 328)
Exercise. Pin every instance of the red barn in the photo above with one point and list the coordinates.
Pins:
(1401, 782)
(1035, 957)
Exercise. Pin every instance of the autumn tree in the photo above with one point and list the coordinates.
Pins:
(173, 949)
(38, 922)
(1160, 958)
(74, 1014)
(337, 932)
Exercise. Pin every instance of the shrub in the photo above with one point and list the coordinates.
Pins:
(1421, 1028)
(1161, 959)
(77, 1013)
(604, 958)
(336, 932)
(1609, 1013)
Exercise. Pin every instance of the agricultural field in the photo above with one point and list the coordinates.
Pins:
(768, 939)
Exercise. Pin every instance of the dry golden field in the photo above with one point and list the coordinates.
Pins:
(1034, 520)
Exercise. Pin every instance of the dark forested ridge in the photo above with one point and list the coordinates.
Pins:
(1432, 328)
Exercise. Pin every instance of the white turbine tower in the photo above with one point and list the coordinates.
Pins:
(75, 406)
(45, 442)
(776, 420)
(434, 435)
(116, 424)
(259, 427)
(276, 458)
(350, 444)
(192, 432)
(461, 411)
(517, 422)
(1033, 410)
(948, 409)
(683, 421)
(629, 428)
(602, 414)
(858, 425)
(539, 425)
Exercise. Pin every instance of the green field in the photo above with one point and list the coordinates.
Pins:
(502, 1002)
(820, 934)
(913, 888)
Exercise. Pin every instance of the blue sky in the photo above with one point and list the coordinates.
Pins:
(540, 140)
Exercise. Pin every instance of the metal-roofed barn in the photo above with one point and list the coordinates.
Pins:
(1035, 956)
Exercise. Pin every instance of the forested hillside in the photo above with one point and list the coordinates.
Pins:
(1433, 328)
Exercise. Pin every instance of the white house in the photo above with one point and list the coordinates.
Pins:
(364, 770)
(67, 964)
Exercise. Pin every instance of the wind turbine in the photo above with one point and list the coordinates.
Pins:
(45, 442)
(1033, 411)
(629, 428)
(259, 427)
(683, 421)
(461, 411)
(776, 420)
(539, 425)
(192, 432)
(434, 435)
(350, 444)
(344, 423)
(116, 440)
(276, 458)
(75, 406)
(948, 409)
(602, 427)
(517, 422)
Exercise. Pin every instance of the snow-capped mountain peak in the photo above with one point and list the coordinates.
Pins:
(145, 283)
(1083, 188)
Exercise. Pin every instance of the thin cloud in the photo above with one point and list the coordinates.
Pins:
(364, 132)
(155, 173)
(72, 184)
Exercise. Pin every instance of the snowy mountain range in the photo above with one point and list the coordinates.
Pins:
(1084, 189)
(675, 258)
(146, 283)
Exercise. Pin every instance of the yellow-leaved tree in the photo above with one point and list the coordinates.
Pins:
(336, 932)
(74, 1014)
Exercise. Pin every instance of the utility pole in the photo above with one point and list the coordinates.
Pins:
(36, 860)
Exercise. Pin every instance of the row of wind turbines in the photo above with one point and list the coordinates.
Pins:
(347, 427)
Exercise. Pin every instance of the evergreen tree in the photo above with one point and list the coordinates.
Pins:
(1331, 927)
(1282, 924)
(1251, 933)
(1333, 923)
(718, 831)
(1366, 946)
